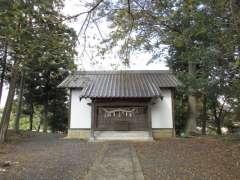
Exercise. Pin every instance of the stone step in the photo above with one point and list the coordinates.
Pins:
(122, 135)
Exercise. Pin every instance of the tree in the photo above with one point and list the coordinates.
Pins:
(49, 68)
(24, 25)
(202, 39)
(19, 105)
(12, 33)
(52, 68)
(3, 66)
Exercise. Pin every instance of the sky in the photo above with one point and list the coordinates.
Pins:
(138, 60)
(90, 60)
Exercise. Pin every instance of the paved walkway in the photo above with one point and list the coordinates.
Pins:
(116, 162)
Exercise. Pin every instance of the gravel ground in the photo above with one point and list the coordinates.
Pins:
(47, 156)
(50, 156)
(190, 159)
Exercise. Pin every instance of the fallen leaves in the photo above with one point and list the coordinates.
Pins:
(2, 170)
(194, 158)
(7, 164)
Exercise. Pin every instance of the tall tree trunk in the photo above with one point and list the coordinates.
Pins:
(192, 115)
(31, 117)
(218, 117)
(4, 62)
(45, 106)
(45, 118)
(192, 110)
(219, 125)
(204, 115)
(19, 106)
(234, 8)
(8, 106)
(39, 125)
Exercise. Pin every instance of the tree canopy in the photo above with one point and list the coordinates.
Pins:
(202, 39)
(36, 43)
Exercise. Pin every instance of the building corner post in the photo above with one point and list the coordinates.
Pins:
(69, 109)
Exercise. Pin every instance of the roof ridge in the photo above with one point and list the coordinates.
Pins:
(123, 71)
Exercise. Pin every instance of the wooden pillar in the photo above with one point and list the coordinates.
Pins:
(149, 118)
(93, 109)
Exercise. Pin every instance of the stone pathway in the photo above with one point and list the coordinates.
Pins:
(116, 162)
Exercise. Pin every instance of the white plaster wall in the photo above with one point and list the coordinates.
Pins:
(80, 111)
(162, 111)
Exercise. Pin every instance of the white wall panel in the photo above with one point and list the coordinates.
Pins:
(162, 111)
(80, 111)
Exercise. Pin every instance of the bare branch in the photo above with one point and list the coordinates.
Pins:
(129, 11)
(129, 7)
(86, 12)
(75, 16)
(83, 25)
(131, 18)
(100, 33)
(86, 21)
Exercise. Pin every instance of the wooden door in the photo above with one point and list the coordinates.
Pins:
(121, 118)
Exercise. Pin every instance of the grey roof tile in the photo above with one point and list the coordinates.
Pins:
(120, 83)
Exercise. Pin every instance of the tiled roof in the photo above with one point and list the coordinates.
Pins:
(120, 83)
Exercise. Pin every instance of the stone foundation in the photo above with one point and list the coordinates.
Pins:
(85, 133)
(79, 133)
(162, 133)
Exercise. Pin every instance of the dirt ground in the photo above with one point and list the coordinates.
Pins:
(50, 156)
(47, 156)
(195, 158)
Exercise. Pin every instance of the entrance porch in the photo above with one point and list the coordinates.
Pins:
(121, 119)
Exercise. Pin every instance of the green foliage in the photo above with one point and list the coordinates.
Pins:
(1, 111)
(44, 48)
(58, 119)
(200, 33)
(181, 111)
